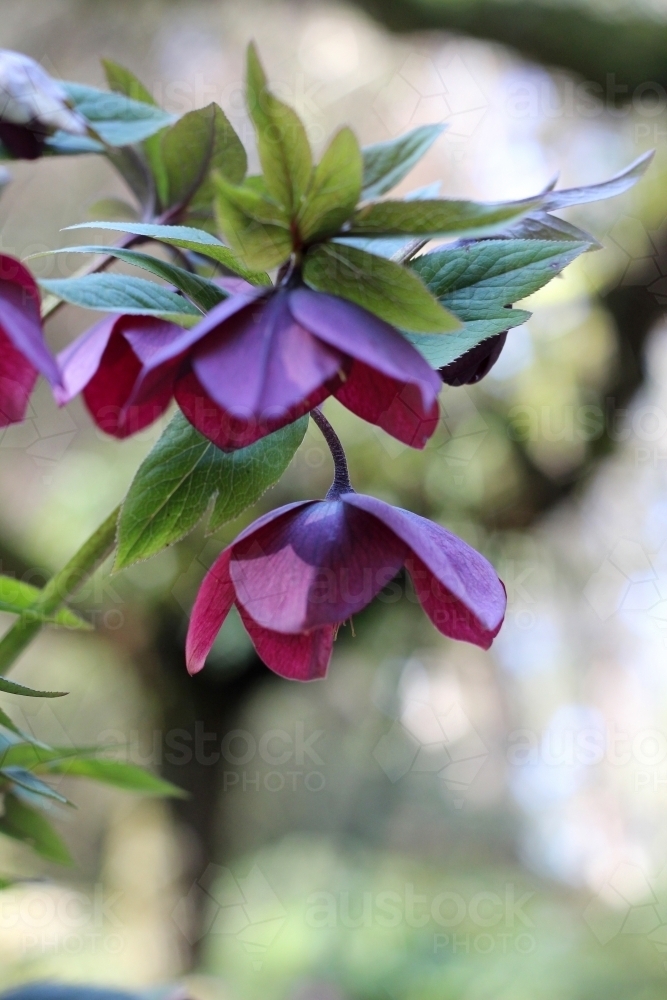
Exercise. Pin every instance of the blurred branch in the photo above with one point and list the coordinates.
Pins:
(576, 38)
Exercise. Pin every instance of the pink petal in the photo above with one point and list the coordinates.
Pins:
(314, 566)
(107, 394)
(20, 319)
(396, 407)
(463, 572)
(449, 615)
(213, 603)
(17, 380)
(261, 365)
(228, 431)
(364, 337)
(302, 657)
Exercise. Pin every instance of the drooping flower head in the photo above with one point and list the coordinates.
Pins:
(23, 352)
(297, 573)
(32, 106)
(262, 359)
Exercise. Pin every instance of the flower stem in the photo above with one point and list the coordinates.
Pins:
(59, 588)
(341, 483)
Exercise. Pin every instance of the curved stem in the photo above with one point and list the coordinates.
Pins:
(63, 585)
(341, 483)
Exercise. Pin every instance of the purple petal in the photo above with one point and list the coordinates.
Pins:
(462, 571)
(396, 407)
(449, 615)
(363, 336)
(20, 317)
(314, 567)
(261, 364)
(213, 603)
(162, 363)
(302, 657)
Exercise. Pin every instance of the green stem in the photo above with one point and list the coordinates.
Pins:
(59, 588)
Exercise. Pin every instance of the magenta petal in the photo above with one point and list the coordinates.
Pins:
(20, 319)
(17, 380)
(108, 393)
(213, 603)
(261, 364)
(397, 407)
(462, 571)
(302, 657)
(314, 567)
(449, 615)
(228, 431)
(363, 336)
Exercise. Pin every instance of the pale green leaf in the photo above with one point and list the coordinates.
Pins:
(334, 189)
(387, 163)
(282, 143)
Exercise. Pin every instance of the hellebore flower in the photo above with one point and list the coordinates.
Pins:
(23, 352)
(297, 573)
(260, 360)
(475, 363)
(32, 106)
(104, 363)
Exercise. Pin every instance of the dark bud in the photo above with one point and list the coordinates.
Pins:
(475, 363)
(21, 141)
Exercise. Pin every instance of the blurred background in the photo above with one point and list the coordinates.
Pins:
(431, 821)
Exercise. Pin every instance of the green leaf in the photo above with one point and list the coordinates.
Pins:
(199, 142)
(479, 281)
(334, 189)
(256, 228)
(118, 120)
(203, 293)
(437, 217)
(389, 290)
(120, 293)
(542, 226)
(187, 238)
(11, 687)
(31, 783)
(185, 474)
(23, 823)
(282, 143)
(387, 163)
(116, 772)
(13, 728)
(123, 81)
(393, 247)
(18, 597)
(554, 200)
